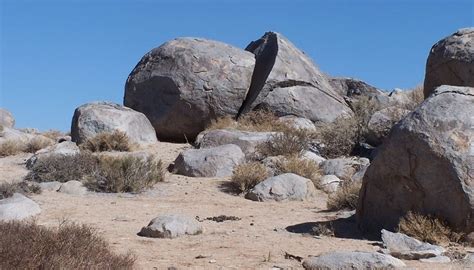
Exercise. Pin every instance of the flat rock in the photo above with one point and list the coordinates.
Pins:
(404, 247)
(283, 187)
(171, 226)
(18, 207)
(50, 186)
(347, 260)
(73, 187)
(209, 162)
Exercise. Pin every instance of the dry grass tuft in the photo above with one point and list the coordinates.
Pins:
(346, 197)
(115, 141)
(416, 96)
(427, 229)
(53, 134)
(63, 168)
(8, 189)
(248, 175)
(12, 147)
(261, 120)
(290, 142)
(302, 167)
(125, 174)
(37, 143)
(70, 246)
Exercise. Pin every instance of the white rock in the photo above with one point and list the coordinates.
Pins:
(18, 207)
(352, 260)
(171, 226)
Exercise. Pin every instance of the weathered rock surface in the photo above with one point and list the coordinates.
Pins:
(313, 156)
(187, 82)
(404, 247)
(344, 168)
(50, 186)
(330, 183)
(425, 165)
(283, 187)
(246, 140)
(94, 118)
(347, 260)
(451, 61)
(61, 149)
(171, 226)
(73, 187)
(298, 122)
(11, 134)
(18, 207)
(209, 162)
(295, 86)
(6, 119)
(381, 122)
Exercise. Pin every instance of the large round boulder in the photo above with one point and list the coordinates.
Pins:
(451, 61)
(187, 82)
(105, 117)
(425, 165)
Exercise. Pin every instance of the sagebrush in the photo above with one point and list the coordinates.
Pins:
(427, 229)
(8, 189)
(260, 120)
(114, 141)
(248, 175)
(12, 147)
(289, 142)
(26, 245)
(346, 197)
(302, 167)
(37, 143)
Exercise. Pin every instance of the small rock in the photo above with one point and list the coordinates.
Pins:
(313, 156)
(352, 260)
(404, 247)
(50, 186)
(286, 186)
(344, 168)
(298, 122)
(18, 207)
(73, 187)
(437, 259)
(330, 183)
(171, 226)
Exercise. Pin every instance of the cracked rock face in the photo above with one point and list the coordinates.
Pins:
(187, 82)
(426, 165)
(295, 86)
(451, 61)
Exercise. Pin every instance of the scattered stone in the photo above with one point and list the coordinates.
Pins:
(73, 187)
(171, 226)
(425, 164)
(451, 61)
(18, 207)
(330, 183)
(283, 187)
(50, 186)
(347, 260)
(344, 168)
(209, 162)
(94, 118)
(246, 140)
(404, 247)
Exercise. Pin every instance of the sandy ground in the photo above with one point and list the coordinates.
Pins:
(258, 241)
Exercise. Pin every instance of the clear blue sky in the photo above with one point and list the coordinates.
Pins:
(57, 55)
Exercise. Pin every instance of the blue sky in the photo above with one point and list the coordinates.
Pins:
(56, 55)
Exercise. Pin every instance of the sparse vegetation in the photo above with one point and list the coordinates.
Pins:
(53, 134)
(346, 197)
(416, 96)
(125, 174)
(302, 167)
(70, 246)
(8, 189)
(37, 143)
(63, 168)
(248, 175)
(427, 229)
(12, 147)
(115, 141)
(323, 229)
(290, 142)
(260, 120)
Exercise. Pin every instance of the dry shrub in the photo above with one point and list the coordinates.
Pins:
(12, 147)
(53, 134)
(125, 174)
(302, 167)
(70, 246)
(63, 168)
(248, 175)
(260, 120)
(8, 189)
(427, 229)
(37, 143)
(115, 141)
(340, 137)
(290, 142)
(346, 197)
(416, 96)
(323, 229)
